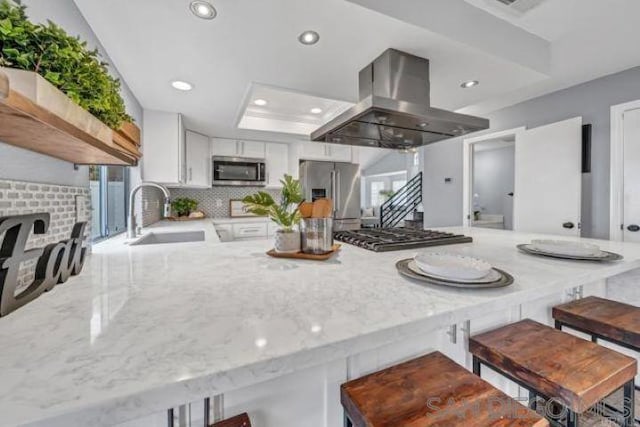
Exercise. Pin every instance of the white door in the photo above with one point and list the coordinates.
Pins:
(548, 179)
(631, 210)
(198, 160)
(277, 156)
(252, 149)
(225, 147)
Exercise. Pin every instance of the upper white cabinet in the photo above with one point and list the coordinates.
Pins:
(164, 148)
(252, 149)
(224, 147)
(326, 152)
(277, 157)
(339, 153)
(233, 148)
(198, 160)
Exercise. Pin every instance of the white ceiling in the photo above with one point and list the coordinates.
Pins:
(558, 44)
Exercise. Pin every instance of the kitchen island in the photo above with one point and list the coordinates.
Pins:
(145, 328)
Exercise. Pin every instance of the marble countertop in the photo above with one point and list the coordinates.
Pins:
(143, 328)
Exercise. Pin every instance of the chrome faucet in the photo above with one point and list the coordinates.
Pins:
(131, 225)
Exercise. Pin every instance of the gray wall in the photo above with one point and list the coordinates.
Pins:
(591, 100)
(493, 177)
(24, 165)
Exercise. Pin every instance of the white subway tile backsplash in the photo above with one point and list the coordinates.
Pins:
(21, 198)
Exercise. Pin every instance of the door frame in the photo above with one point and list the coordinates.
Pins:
(467, 168)
(616, 169)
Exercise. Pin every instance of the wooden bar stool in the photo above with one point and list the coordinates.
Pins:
(431, 390)
(241, 420)
(558, 367)
(602, 319)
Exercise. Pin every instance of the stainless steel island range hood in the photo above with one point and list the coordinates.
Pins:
(395, 109)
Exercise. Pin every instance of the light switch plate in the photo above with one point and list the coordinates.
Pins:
(81, 208)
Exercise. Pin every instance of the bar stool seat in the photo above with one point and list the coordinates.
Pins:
(241, 420)
(601, 318)
(552, 364)
(431, 390)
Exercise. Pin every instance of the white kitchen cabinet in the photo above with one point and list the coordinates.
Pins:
(232, 148)
(277, 158)
(325, 152)
(272, 227)
(339, 153)
(164, 148)
(198, 160)
(224, 147)
(252, 149)
(250, 230)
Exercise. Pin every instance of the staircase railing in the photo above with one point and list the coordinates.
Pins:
(402, 203)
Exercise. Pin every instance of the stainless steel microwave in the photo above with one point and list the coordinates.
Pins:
(239, 171)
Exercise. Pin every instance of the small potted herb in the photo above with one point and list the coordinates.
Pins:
(183, 206)
(285, 213)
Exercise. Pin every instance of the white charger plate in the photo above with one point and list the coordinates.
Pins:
(567, 248)
(493, 275)
(452, 266)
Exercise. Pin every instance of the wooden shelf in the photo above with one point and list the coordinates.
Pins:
(37, 116)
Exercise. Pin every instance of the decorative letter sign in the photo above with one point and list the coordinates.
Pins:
(55, 263)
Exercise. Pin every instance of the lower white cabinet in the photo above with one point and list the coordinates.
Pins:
(272, 227)
(250, 230)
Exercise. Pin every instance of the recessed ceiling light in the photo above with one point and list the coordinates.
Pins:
(316, 110)
(470, 84)
(309, 37)
(203, 9)
(180, 85)
(260, 102)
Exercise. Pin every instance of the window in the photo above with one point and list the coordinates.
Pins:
(377, 199)
(396, 185)
(109, 203)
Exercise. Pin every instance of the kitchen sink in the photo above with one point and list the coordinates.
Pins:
(154, 238)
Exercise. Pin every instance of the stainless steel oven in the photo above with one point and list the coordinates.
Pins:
(239, 171)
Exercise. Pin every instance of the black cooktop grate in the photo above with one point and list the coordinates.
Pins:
(395, 239)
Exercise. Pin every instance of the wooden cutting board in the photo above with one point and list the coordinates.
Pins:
(302, 255)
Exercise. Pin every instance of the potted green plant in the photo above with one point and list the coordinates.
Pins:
(183, 206)
(63, 60)
(285, 213)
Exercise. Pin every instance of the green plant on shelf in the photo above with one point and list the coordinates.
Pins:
(63, 60)
(285, 213)
(183, 206)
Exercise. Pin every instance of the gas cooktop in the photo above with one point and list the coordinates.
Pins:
(396, 239)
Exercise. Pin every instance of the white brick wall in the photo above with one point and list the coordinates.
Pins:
(20, 198)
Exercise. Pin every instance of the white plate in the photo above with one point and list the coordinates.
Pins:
(493, 275)
(563, 247)
(452, 267)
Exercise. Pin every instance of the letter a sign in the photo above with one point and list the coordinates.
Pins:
(55, 262)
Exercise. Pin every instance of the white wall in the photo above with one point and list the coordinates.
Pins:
(591, 100)
(19, 164)
(493, 177)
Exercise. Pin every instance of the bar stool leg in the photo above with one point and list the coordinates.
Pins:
(533, 401)
(476, 366)
(629, 404)
(572, 419)
(170, 417)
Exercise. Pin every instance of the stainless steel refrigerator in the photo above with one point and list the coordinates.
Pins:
(339, 182)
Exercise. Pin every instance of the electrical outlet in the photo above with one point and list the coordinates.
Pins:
(218, 203)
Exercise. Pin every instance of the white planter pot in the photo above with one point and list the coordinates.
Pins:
(287, 241)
